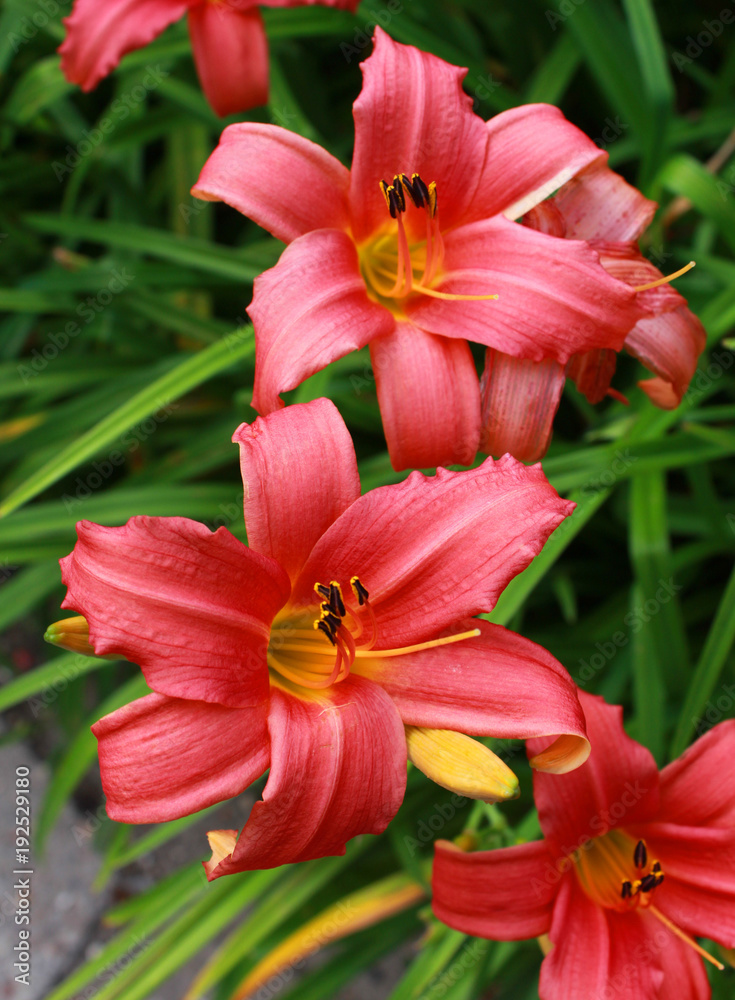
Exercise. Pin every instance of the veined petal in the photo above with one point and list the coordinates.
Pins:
(599, 205)
(577, 967)
(162, 758)
(309, 310)
(193, 608)
(495, 684)
(698, 789)
(429, 398)
(670, 346)
(519, 402)
(617, 786)
(592, 373)
(423, 550)
(287, 184)
(555, 298)
(624, 261)
(505, 895)
(231, 55)
(338, 769)
(299, 473)
(98, 34)
(532, 151)
(460, 764)
(684, 971)
(412, 116)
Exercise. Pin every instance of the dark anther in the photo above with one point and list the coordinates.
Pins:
(323, 627)
(656, 867)
(336, 604)
(649, 882)
(321, 589)
(359, 591)
(416, 190)
(640, 854)
(627, 890)
(659, 879)
(400, 195)
(331, 620)
(393, 199)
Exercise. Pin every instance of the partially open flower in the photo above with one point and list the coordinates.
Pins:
(346, 619)
(634, 865)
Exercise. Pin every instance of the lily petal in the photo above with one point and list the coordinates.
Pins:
(577, 967)
(423, 550)
(519, 402)
(285, 183)
(162, 758)
(555, 298)
(98, 34)
(505, 895)
(532, 151)
(698, 788)
(193, 608)
(338, 769)
(670, 346)
(309, 310)
(619, 773)
(299, 473)
(231, 55)
(412, 116)
(495, 684)
(592, 372)
(684, 971)
(429, 398)
(599, 204)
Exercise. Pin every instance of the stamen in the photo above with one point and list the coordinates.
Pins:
(432, 292)
(335, 599)
(445, 641)
(359, 591)
(667, 279)
(322, 626)
(416, 190)
(626, 890)
(685, 937)
(640, 854)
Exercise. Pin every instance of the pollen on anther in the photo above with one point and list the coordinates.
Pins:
(359, 591)
(336, 603)
(322, 626)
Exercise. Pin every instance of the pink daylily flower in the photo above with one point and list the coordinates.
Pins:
(634, 864)
(520, 398)
(346, 619)
(227, 36)
(408, 250)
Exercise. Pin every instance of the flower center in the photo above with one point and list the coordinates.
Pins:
(617, 873)
(393, 267)
(316, 650)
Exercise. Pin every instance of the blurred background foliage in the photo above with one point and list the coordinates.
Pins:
(126, 362)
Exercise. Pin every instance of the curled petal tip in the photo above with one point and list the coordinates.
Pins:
(461, 764)
(565, 754)
(222, 844)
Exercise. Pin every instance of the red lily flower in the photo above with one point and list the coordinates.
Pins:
(634, 862)
(227, 36)
(413, 250)
(520, 398)
(345, 620)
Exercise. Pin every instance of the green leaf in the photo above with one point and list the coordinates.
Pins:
(160, 394)
(48, 680)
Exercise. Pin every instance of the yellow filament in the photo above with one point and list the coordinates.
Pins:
(448, 295)
(685, 937)
(384, 653)
(667, 279)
